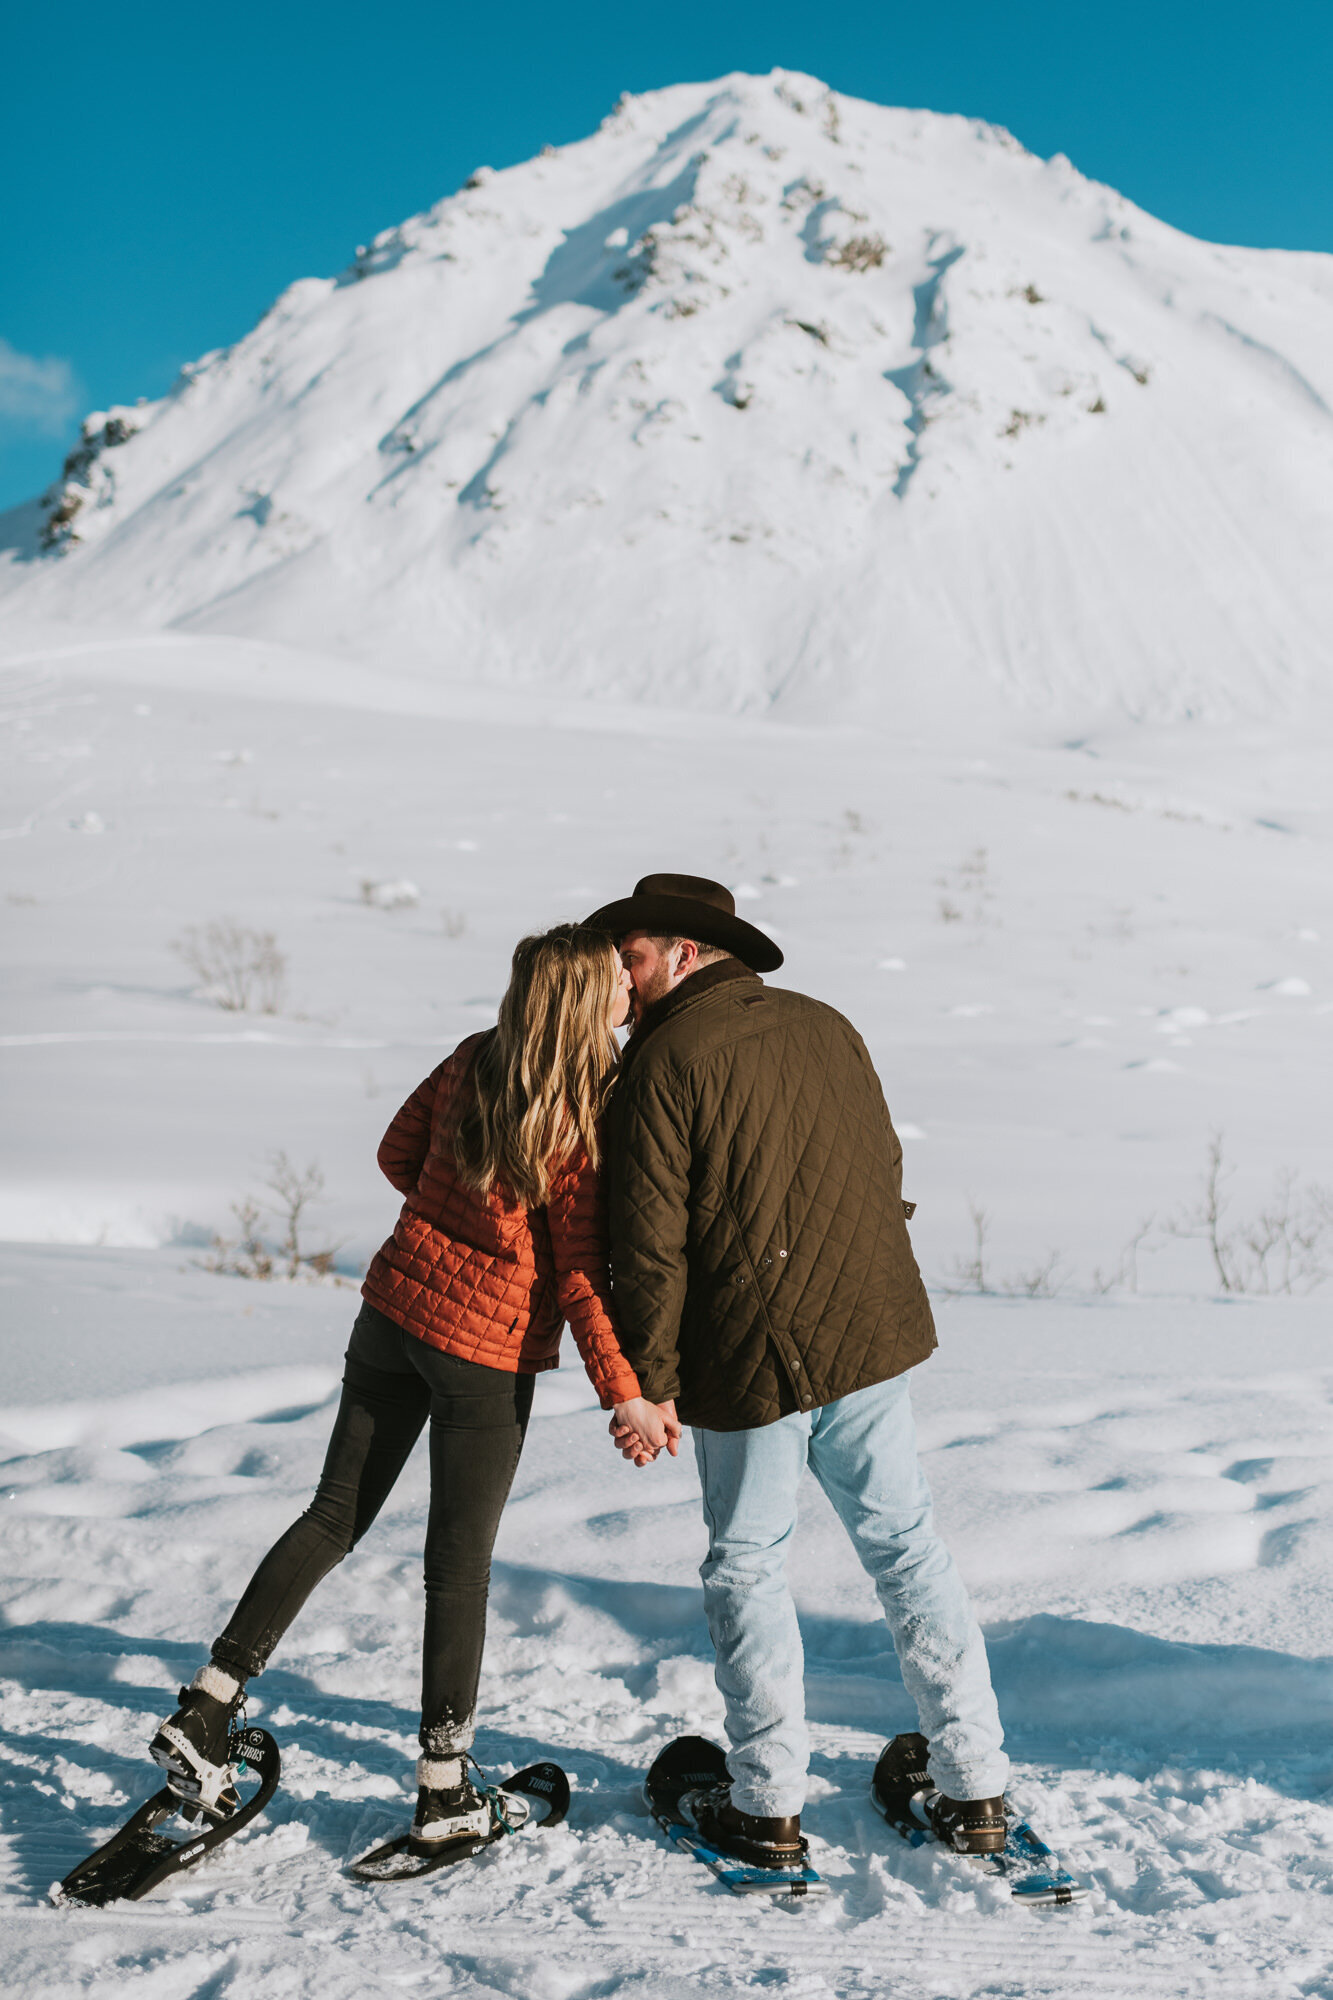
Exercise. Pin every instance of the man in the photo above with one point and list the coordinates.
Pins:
(768, 1296)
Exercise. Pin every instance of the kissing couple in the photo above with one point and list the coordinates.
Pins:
(717, 1213)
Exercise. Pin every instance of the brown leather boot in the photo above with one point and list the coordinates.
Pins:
(969, 1826)
(902, 1790)
(749, 1837)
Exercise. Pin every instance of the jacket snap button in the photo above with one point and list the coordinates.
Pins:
(740, 1278)
(782, 1253)
(806, 1400)
(766, 1262)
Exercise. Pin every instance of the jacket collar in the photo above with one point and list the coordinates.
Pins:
(719, 973)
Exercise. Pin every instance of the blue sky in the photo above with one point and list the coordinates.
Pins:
(166, 171)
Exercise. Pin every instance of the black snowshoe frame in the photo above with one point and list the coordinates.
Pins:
(137, 1858)
(544, 1792)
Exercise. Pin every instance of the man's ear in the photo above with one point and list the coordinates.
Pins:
(687, 955)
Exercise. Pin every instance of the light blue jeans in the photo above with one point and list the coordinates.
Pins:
(862, 1450)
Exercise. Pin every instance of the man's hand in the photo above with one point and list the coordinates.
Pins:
(642, 1429)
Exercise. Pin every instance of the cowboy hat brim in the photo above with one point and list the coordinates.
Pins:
(683, 916)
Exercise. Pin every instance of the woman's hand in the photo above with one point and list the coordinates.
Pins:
(642, 1429)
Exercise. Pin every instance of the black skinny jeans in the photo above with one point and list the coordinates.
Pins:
(478, 1417)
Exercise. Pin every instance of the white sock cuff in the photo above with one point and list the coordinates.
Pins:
(216, 1681)
(440, 1774)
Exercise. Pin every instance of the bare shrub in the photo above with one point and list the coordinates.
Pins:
(1286, 1247)
(1204, 1218)
(971, 1275)
(245, 1255)
(242, 970)
(1124, 1276)
(968, 1274)
(294, 1192)
(1043, 1281)
(1290, 1242)
(251, 1254)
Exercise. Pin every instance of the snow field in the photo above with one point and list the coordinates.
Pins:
(1105, 996)
(1185, 1775)
(1136, 1485)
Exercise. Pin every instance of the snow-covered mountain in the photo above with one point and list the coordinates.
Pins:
(757, 398)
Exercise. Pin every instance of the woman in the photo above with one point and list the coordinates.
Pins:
(500, 1239)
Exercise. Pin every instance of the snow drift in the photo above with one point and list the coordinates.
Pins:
(756, 399)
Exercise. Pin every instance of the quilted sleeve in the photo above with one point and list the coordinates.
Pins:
(649, 1185)
(576, 1217)
(404, 1146)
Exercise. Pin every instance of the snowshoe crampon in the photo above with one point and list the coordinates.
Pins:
(692, 1764)
(537, 1796)
(145, 1852)
(1034, 1874)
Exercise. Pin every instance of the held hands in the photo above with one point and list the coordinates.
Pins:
(642, 1429)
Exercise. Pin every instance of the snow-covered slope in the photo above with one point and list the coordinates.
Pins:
(1070, 963)
(756, 398)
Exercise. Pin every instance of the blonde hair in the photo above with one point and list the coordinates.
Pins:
(542, 1076)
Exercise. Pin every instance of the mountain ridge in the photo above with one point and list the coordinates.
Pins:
(763, 399)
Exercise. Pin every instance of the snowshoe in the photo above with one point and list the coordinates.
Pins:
(141, 1855)
(688, 1794)
(904, 1793)
(539, 1794)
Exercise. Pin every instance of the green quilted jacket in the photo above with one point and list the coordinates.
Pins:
(759, 1249)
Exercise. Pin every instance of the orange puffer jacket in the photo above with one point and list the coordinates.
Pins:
(480, 1276)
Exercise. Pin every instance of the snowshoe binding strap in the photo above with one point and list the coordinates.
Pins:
(969, 1826)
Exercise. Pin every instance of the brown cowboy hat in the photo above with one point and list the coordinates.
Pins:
(689, 906)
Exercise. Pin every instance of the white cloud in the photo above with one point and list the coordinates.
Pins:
(39, 394)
